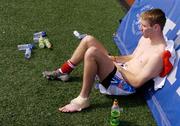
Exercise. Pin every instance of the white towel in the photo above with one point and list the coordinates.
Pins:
(160, 81)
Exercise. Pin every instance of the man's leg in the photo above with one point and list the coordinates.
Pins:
(87, 42)
(75, 59)
(95, 62)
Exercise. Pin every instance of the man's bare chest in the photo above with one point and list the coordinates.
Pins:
(145, 55)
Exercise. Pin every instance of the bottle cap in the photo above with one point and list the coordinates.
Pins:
(115, 102)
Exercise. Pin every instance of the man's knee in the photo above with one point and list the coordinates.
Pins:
(91, 52)
(89, 38)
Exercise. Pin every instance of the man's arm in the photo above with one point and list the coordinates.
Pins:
(121, 59)
(124, 59)
(149, 71)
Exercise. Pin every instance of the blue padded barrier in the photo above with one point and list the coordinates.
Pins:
(164, 103)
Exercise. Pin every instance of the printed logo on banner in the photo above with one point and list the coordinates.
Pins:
(172, 77)
(136, 23)
(169, 26)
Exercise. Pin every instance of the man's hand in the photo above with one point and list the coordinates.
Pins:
(121, 59)
(113, 58)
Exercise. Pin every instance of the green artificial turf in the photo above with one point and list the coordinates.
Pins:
(26, 98)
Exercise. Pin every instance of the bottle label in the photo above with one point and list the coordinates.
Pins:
(25, 46)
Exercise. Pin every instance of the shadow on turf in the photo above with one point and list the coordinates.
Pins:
(125, 123)
(128, 101)
(75, 79)
(72, 79)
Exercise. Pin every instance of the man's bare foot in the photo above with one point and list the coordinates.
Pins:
(70, 108)
(75, 105)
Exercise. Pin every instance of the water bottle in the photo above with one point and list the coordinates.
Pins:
(36, 39)
(115, 114)
(37, 35)
(23, 47)
(27, 54)
(78, 35)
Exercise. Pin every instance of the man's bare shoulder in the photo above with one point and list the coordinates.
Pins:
(142, 39)
(143, 42)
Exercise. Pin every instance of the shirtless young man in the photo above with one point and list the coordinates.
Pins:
(142, 65)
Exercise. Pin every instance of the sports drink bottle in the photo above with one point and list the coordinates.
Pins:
(115, 114)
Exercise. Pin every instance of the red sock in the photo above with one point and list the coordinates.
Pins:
(67, 67)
